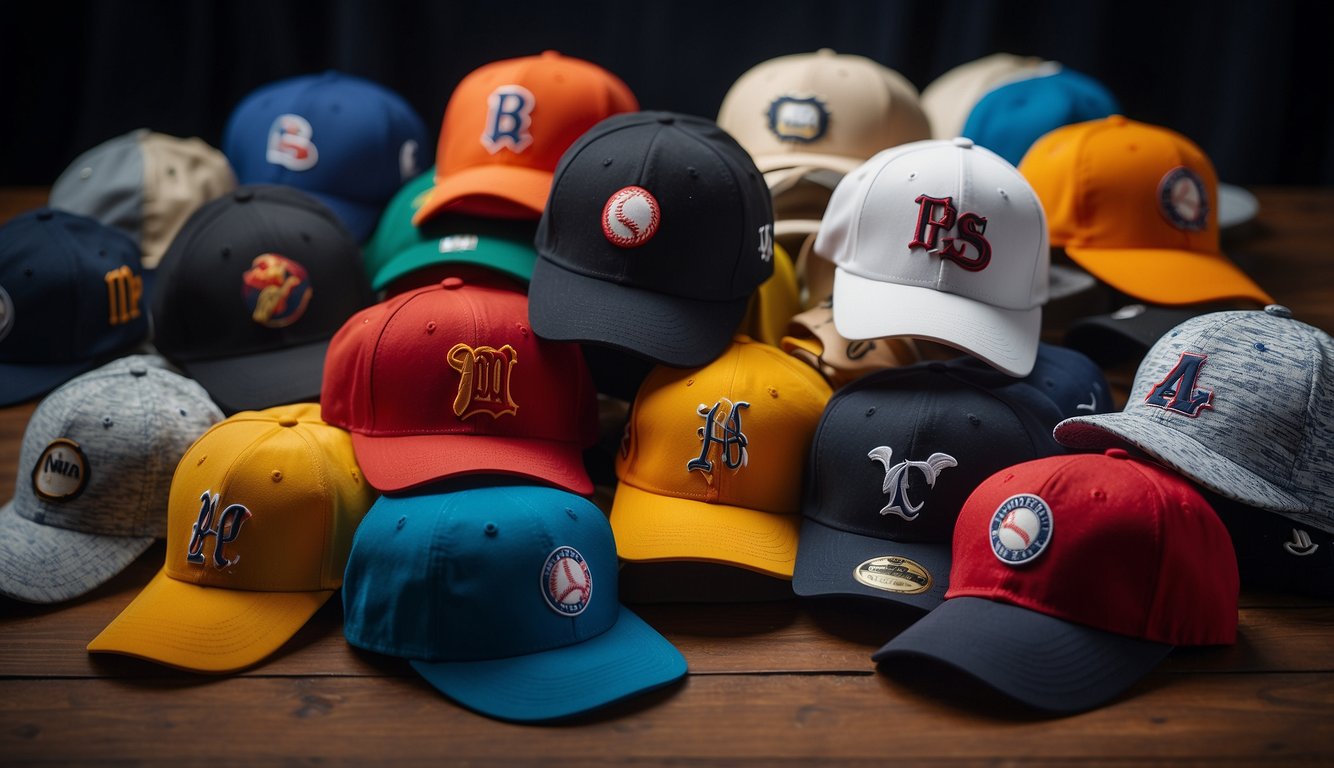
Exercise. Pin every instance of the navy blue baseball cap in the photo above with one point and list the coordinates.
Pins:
(344, 140)
(71, 299)
(504, 598)
(1068, 377)
(894, 457)
(1010, 117)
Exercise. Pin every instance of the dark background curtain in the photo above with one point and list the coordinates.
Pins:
(1251, 81)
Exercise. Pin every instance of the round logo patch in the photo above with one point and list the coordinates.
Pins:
(566, 582)
(1020, 529)
(801, 120)
(1183, 200)
(893, 574)
(276, 289)
(631, 216)
(61, 472)
(6, 313)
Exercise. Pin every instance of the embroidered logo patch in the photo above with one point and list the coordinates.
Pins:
(631, 217)
(61, 472)
(290, 143)
(458, 243)
(276, 289)
(935, 214)
(407, 160)
(566, 583)
(1183, 200)
(508, 119)
(125, 293)
(484, 380)
(223, 528)
(6, 313)
(1177, 392)
(1301, 544)
(1020, 529)
(767, 243)
(722, 427)
(896, 479)
(800, 120)
(893, 574)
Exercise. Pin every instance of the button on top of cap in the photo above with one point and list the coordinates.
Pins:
(825, 52)
(666, 119)
(1117, 120)
(243, 195)
(138, 370)
(1117, 453)
(450, 283)
(964, 142)
(1278, 310)
(287, 421)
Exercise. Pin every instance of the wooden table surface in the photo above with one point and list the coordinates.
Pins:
(771, 682)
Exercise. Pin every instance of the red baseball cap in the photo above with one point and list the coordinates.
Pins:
(1073, 576)
(448, 380)
(506, 126)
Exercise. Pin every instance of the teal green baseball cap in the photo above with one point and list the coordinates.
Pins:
(504, 598)
(397, 248)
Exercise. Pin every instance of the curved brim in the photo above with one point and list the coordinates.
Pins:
(206, 629)
(1236, 206)
(628, 659)
(520, 188)
(45, 564)
(359, 218)
(254, 382)
(672, 330)
(807, 160)
(1006, 339)
(827, 560)
(1183, 454)
(512, 258)
(21, 382)
(1042, 661)
(649, 527)
(1127, 333)
(1139, 272)
(406, 461)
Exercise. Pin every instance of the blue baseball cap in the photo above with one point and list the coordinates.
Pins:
(505, 599)
(71, 299)
(1010, 117)
(344, 140)
(1066, 376)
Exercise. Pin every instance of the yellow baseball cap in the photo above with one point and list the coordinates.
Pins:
(259, 523)
(774, 302)
(711, 463)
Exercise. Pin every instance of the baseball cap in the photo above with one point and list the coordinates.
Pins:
(1131, 202)
(812, 339)
(449, 380)
(505, 127)
(94, 470)
(71, 298)
(1010, 117)
(250, 293)
(1073, 382)
(948, 99)
(657, 232)
(893, 459)
(1276, 553)
(1073, 576)
(1238, 402)
(940, 240)
(346, 141)
(821, 110)
(711, 462)
(259, 524)
(398, 249)
(145, 184)
(504, 598)
(1127, 333)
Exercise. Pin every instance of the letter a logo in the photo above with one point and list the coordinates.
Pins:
(1177, 392)
(508, 111)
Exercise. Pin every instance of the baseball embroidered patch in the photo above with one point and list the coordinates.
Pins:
(276, 290)
(631, 217)
(1020, 529)
(566, 582)
(1183, 200)
(800, 120)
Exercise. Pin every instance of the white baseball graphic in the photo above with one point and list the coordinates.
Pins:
(1186, 199)
(1019, 528)
(569, 582)
(630, 217)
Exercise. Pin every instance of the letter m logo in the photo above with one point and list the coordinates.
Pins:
(1177, 392)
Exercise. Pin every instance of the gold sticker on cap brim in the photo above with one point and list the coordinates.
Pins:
(61, 472)
(893, 574)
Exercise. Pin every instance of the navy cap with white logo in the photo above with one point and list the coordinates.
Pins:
(657, 231)
(1074, 383)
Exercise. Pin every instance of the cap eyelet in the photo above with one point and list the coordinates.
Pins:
(491, 529)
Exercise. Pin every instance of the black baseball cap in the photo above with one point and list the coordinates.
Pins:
(894, 457)
(1126, 334)
(1276, 552)
(657, 231)
(251, 291)
(1067, 376)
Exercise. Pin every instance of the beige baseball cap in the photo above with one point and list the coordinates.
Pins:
(949, 98)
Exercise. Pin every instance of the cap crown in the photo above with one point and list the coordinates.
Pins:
(1073, 382)
(1131, 548)
(1009, 118)
(71, 289)
(260, 269)
(735, 432)
(714, 236)
(267, 501)
(837, 105)
(948, 99)
(467, 575)
(944, 215)
(99, 452)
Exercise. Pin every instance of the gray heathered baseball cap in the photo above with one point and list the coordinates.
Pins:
(94, 475)
(1242, 403)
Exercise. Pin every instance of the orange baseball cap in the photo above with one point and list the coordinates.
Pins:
(259, 524)
(711, 463)
(1137, 206)
(506, 126)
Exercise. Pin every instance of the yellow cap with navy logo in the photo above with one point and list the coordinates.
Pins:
(260, 520)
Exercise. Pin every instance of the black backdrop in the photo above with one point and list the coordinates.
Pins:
(1251, 81)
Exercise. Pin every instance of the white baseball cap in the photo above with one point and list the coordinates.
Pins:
(940, 240)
